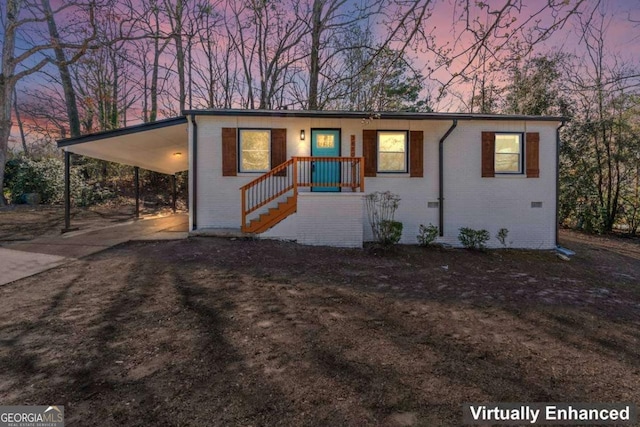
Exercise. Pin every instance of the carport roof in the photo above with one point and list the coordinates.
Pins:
(152, 146)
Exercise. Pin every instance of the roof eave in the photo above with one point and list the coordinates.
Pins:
(367, 115)
(122, 131)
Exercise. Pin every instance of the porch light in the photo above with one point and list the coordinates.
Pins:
(177, 154)
(302, 135)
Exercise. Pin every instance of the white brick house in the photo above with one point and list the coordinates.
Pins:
(302, 173)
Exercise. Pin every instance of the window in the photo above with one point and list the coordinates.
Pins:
(392, 151)
(508, 153)
(255, 150)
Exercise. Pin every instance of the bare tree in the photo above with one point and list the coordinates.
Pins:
(266, 36)
(486, 36)
(19, 16)
(216, 68)
(331, 25)
(602, 147)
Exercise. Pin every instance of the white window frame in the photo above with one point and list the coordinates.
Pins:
(406, 151)
(520, 154)
(241, 151)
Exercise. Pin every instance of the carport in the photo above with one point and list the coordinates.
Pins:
(160, 146)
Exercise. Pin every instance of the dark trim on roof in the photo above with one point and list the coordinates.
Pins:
(123, 131)
(300, 113)
(364, 115)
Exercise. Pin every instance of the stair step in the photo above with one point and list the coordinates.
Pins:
(273, 216)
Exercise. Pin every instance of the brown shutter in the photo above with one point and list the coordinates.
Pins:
(279, 149)
(229, 152)
(488, 154)
(416, 150)
(532, 151)
(369, 152)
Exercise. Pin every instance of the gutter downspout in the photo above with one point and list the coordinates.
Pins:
(558, 181)
(194, 174)
(441, 176)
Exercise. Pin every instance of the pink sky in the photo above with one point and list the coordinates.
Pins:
(623, 35)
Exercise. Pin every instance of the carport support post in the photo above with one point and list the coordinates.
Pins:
(136, 178)
(67, 191)
(174, 192)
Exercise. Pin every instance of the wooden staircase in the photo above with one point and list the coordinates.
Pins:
(280, 186)
(273, 216)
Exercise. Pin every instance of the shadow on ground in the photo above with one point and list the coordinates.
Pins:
(220, 332)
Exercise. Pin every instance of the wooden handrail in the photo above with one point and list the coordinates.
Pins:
(298, 172)
(277, 169)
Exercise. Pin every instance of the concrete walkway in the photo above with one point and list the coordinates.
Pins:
(20, 260)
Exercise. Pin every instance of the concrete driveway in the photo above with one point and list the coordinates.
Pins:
(19, 260)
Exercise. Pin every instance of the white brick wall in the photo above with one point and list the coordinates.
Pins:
(470, 201)
(503, 201)
(324, 219)
(287, 229)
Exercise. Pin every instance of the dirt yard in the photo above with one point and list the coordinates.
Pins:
(215, 332)
(24, 222)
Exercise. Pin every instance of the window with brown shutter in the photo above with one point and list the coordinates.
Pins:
(254, 150)
(508, 153)
(416, 154)
(279, 149)
(393, 148)
(488, 154)
(532, 153)
(369, 152)
(229, 152)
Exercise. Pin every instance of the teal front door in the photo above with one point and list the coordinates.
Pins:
(325, 143)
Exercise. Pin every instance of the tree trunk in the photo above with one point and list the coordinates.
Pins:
(153, 114)
(113, 114)
(314, 66)
(6, 91)
(7, 85)
(155, 71)
(23, 139)
(5, 130)
(177, 35)
(63, 68)
(181, 74)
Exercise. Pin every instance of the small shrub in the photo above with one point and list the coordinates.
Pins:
(473, 239)
(427, 235)
(391, 232)
(381, 209)
(501, 235)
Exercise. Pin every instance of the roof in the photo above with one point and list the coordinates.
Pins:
(393, 115)
(152, 146)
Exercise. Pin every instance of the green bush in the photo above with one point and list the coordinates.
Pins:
(427, 235)
(391, 232)
(91, 195)
(44, 177)
(473, 239)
